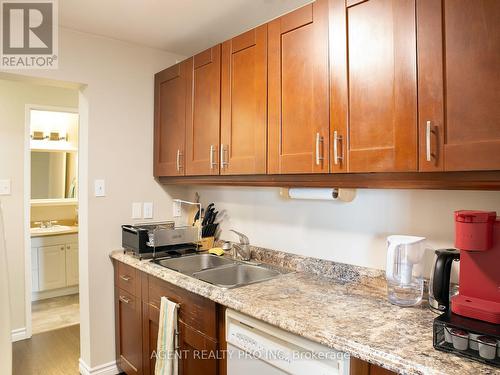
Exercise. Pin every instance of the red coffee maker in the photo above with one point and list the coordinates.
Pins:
(470, 326)
(477, 236)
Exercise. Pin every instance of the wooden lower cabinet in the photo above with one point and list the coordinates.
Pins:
(201, 326)
(128, 332)
(198, 352)
(137, 312)
(359, 367)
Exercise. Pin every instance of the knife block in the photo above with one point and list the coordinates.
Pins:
(206, 243)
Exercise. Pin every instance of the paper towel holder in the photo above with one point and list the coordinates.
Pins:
(335, 194)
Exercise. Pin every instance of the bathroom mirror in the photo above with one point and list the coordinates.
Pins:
(53, 175)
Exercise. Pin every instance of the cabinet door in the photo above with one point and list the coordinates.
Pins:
(72, 264)
(381, 40)
(128, 330)
(194, 345)
(150, 325)
(203, 120)
(51, 267)
(190, 341)
(244, 104)
(298, 101)
(171, 95)
(459, 84)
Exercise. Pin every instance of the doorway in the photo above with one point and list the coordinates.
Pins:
(60, 158)
(53, 165)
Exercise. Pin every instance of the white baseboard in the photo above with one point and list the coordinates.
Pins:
(19, 334)
(36, 296)
(106, 369)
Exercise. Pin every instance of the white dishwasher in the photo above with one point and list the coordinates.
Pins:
(255, 347)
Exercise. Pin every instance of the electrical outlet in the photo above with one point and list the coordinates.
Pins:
(136, 210)
(5, 187)
(99, 188)
(148, 210)
(176, 208)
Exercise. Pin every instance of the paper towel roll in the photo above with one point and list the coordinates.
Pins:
(305, 193)
(344, 195)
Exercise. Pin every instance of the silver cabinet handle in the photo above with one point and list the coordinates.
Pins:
(223, 162)
(319, 157)
(428, 131)
(213, 163)
(178, 160)
(124, 299)
(125, 278)
(176, 340)
(336, 139)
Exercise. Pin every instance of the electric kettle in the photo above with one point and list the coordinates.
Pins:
(440, 288)
(404, 269)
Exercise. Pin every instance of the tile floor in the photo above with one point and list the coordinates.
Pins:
(55, 313)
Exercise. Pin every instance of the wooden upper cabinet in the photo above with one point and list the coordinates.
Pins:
(243, 147)
(459, 84)
(171, 94)
(382, 86)
(298, 91)
(203, 118)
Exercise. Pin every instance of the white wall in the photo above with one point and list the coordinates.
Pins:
(345, 232)
(13, 98)
(116, 144)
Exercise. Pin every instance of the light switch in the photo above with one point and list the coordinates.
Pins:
(99, 188)
(176, 208)
(148, 210)
(136, 210)
(4, 187)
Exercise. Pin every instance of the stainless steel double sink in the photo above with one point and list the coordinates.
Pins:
(223, 272)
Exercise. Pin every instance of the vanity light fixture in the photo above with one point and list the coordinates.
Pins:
(53, 136)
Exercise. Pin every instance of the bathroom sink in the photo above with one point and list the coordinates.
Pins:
(190, 264)
(235, 275)
(52, 229)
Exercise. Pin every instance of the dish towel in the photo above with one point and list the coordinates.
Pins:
(166, 358)
(5, 336)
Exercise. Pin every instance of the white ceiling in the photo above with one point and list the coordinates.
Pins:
(179, 26)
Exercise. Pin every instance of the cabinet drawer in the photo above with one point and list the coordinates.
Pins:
(127, 278)
(195, 311)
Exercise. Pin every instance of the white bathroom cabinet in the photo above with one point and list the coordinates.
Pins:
(54, 265)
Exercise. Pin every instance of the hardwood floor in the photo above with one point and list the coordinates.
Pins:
(49, 353)
(55, 313)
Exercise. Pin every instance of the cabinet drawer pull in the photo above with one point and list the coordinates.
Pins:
(125, 278)
(223, 162)
(428, 151)
(178, 161)
(124, 299)
(319, 151)
(176, 343)
(336, 139)
(213, 163)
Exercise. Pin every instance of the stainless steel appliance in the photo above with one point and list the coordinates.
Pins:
(160, 239)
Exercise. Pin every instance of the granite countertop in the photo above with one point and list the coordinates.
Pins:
(341, 306)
